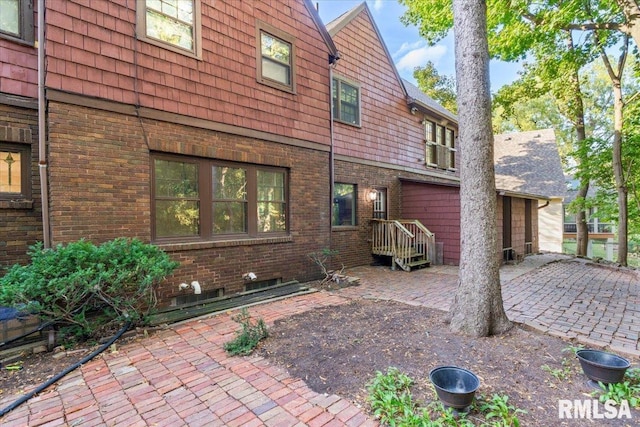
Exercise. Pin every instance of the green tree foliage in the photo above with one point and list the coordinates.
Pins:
(562, 38)
(440, 88)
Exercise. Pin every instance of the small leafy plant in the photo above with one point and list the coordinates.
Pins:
(392, 403)
(628, 390)
(390, 397)
(563, 373)
(498, 408)
(567, 367)
(248, 337)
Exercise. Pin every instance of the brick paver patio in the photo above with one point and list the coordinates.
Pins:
(182, 375)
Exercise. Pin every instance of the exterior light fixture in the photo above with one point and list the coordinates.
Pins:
(373, 195)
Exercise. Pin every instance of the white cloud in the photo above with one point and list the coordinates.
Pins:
(417, 55)
(377, 5)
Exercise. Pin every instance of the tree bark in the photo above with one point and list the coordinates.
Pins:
(618, 172)
(621, 186)
(631, 12)
(477, 309)
(575, 113)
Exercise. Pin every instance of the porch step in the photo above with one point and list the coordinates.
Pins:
(419, 264)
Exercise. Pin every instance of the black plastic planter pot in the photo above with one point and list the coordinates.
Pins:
(600, 366)
(456, 387)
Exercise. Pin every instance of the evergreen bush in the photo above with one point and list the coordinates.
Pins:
(88, 289)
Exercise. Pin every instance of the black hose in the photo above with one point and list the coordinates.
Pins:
(87, 358)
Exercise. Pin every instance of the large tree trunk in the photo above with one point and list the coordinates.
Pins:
(576, 113)
(477, 309)
(621, 186)
(582, 228)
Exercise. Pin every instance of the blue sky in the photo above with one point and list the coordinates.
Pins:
(408, 50)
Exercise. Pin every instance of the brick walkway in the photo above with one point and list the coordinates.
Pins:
(182, 376)
(595, 304)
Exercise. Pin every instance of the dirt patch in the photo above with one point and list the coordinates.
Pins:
(337, 350)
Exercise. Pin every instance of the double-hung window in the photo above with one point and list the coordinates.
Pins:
(197, 199)
(440, 147)
(15, 173)
(172, 24)
(16, 20)
(430, 141)
(450, 143)
(346, 102)
(275, 55)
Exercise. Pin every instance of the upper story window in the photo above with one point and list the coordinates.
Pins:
(16, 20)
(205, 199)
(440, 146)
(172, 24)
(14, 171)
(346, 102)
(275, 58)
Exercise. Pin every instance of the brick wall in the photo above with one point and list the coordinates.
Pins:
(100, 189)
(354, 243)
(20, 221)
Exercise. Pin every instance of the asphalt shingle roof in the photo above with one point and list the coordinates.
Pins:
(529, 163)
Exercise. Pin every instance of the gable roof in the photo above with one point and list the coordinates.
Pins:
(529, 163)
(416, 96)
(335, 26)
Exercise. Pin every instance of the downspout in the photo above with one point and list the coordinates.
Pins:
(331, 161)
(42, 146)
(545, 205)
(333, 62)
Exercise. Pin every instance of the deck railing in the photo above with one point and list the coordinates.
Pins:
(407, 242)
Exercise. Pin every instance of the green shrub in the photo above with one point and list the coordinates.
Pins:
(248, 337)
(88, 289)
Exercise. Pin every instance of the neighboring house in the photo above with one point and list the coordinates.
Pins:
(528, 163)
(602, 235)
(204, 129)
